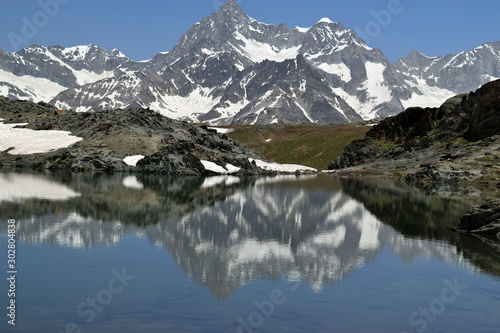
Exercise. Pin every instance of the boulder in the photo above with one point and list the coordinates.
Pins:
(426, 176)
(484, 219)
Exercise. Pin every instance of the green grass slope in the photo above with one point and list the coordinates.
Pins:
(306, 144)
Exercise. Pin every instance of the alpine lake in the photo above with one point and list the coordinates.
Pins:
(310, 253)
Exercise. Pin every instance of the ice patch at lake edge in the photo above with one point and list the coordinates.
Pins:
(132, 160)
(283, 168)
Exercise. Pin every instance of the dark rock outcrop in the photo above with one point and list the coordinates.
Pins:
(484, 109)
(484, 219)
(428, 174)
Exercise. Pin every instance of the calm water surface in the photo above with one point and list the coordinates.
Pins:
(121, 253)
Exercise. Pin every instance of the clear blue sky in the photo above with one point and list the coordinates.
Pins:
(142, 28)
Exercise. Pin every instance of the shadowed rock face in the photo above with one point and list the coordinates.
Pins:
(484, 109)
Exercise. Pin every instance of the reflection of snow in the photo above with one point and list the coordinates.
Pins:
(132, 182)
(74, 231)
(369, 227)
(216, 180)
(19, 187)
(270, 230)
(334, 238)
(252, 250)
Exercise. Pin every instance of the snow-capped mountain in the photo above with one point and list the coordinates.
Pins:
(230, 68)
(438, 77)
(40, 73)
(358, 74)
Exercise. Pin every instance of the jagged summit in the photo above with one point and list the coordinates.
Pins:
(230, 13)
(415, 53)
(231, 6)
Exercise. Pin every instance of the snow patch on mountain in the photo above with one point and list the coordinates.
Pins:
(325, 20)
(340, 70)
(83, 76)
(258, 52)
(227, 111)
(374, 88)
(375, 81)
(132, 160)
(227, 170)
(302, 30)
(431, 96)
(199, 101)
(38, 89)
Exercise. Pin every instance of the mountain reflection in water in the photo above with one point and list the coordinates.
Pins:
(226, 231)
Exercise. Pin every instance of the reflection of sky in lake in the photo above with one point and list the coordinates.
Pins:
(213, 254)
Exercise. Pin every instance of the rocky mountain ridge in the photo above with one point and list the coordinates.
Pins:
(455, 73)
(220, 73)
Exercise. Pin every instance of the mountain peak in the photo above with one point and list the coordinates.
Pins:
(231, 6)
(417, 57)
(325, 20)
(415, 54)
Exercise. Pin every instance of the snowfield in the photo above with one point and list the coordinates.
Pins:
(38, 89)
(26, 141)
